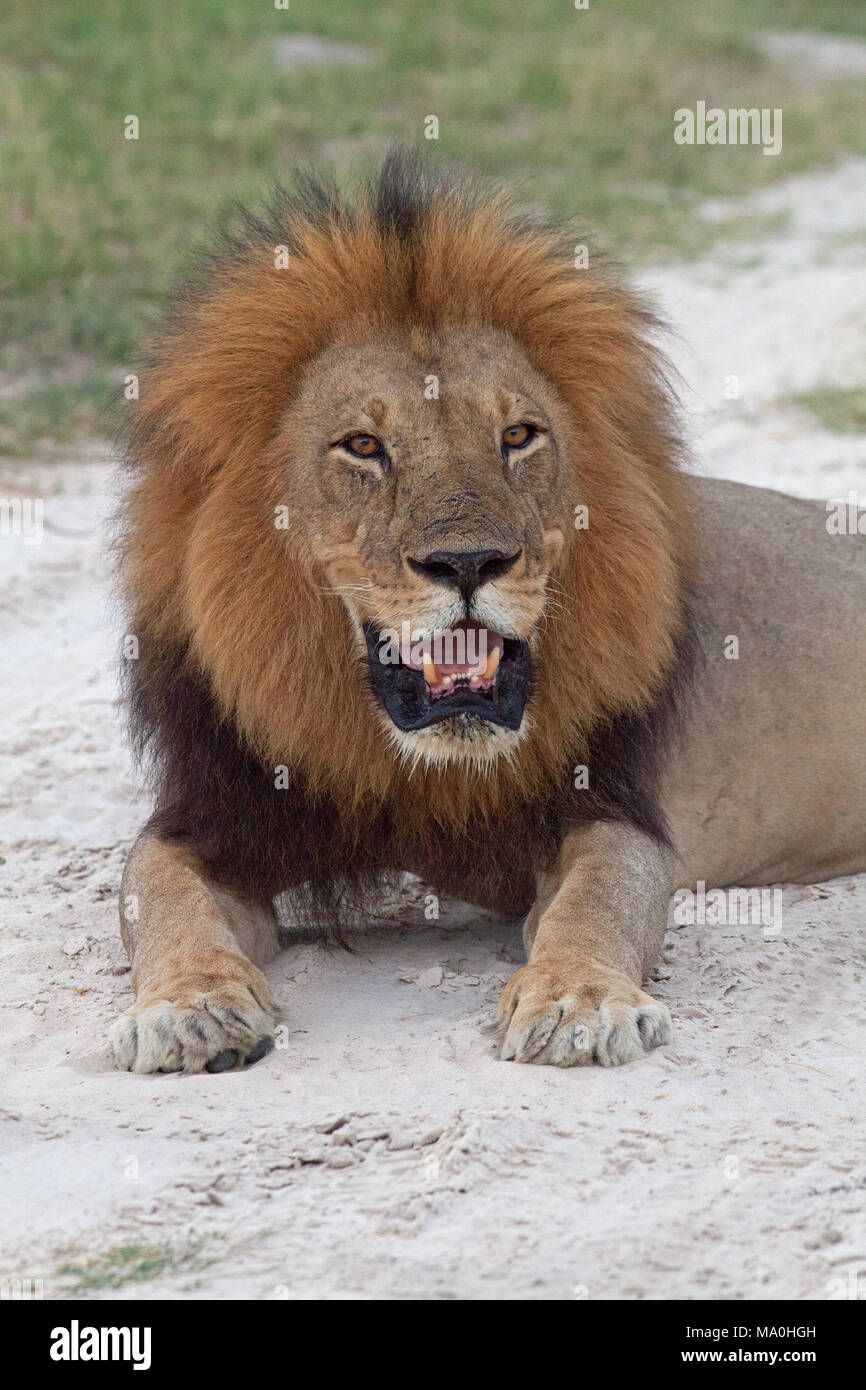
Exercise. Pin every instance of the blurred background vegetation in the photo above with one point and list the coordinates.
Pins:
(575, 104)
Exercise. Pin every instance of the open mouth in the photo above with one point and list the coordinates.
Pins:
(420, 686)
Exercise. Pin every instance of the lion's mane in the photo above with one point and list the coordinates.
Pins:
(242, 656)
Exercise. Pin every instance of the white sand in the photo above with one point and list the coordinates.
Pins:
(729, 1165)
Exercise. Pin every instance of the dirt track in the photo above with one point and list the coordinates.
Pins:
(386, 1152)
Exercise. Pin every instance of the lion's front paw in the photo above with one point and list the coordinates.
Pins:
(202, 1024)
(574, 1016)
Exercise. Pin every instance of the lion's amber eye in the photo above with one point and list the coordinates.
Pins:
(517, 435)
(364, 445)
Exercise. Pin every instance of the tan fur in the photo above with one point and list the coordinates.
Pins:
(198, 996)
(205, 558)
(766, 784)
(237, 420)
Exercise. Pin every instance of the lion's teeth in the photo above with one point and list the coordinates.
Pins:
(492, 663)
(431, 674)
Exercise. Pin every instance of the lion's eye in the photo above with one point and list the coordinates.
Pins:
(365, 446)
(518, 436)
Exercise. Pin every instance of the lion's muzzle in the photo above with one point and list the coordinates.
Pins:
(469, 670)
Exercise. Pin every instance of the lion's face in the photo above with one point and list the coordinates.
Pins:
(429, 477)
(420, 396)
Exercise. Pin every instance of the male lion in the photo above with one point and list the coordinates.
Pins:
(416, 410)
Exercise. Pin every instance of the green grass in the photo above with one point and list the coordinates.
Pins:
(47, 417)
(123, 1264)
(842, 411)
(577, 105)
(132, 1264)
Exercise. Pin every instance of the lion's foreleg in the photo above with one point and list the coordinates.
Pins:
(200, 1002)
(596, 930)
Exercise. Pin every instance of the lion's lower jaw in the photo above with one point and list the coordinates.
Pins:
(465, 740)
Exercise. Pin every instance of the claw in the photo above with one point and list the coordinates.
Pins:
(262, 1047)
(597, 1016)
(223, 1061)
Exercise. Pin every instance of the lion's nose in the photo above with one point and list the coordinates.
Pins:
(465, 569)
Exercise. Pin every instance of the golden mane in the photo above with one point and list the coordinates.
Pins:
(206, 574)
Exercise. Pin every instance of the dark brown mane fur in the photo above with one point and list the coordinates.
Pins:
(217, 706)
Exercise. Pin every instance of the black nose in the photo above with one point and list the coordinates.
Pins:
(465, 569)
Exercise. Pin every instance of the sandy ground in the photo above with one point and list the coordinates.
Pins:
(386, 1152)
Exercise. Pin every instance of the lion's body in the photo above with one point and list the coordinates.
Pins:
(261, 552)
(768, 784)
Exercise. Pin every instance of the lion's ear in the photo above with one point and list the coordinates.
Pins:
(225, 369)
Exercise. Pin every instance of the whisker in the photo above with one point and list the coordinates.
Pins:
(346, 589)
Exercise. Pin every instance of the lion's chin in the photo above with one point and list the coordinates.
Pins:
(463, 740)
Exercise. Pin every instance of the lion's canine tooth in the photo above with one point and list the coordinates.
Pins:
(492, 663)
(431, 674)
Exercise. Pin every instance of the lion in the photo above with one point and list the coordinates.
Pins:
(374, 422)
